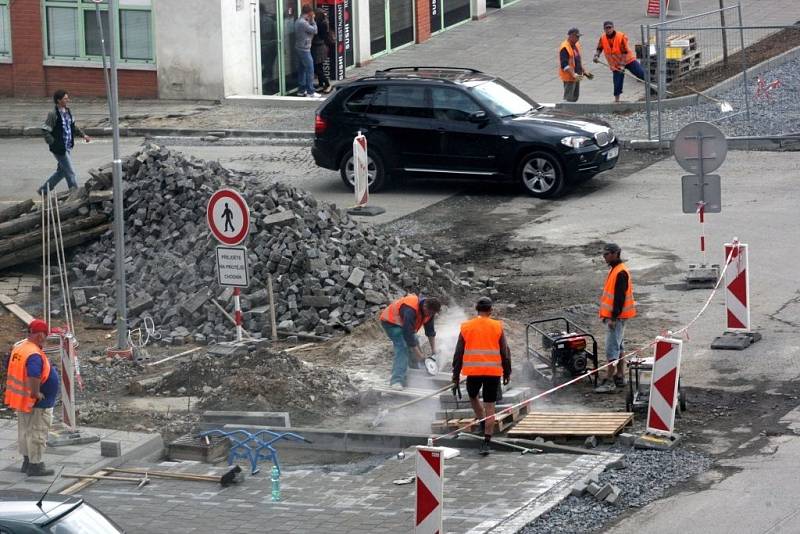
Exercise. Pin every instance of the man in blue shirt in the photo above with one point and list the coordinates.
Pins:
(59, 132)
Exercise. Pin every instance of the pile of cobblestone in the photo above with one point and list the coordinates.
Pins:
(330, 272)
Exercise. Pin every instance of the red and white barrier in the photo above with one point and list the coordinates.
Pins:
(430, 490)
(237, 312)
(361, 170)
(68, 367)
(737, 288)
(664, 386)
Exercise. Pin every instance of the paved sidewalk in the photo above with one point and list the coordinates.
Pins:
(75, 458)
(499, 493)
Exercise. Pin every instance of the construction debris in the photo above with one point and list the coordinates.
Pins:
(330, 272)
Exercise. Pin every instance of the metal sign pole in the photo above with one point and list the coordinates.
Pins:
(119, 223)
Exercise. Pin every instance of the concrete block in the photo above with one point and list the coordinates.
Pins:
(593, 488)
(590, 442)
(604, 492)
(614, 495)
(218, 419)
(282, 218)
(356, 277)
(110, 449)
(578, 489)
(227, 350)
(625, 439)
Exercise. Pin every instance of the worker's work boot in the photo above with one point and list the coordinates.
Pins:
(619, 381)
(39, 470)
(485, 449)
(25, 463)
(606, 386)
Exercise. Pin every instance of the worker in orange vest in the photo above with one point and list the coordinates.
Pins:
(571, 69)
(619, 56)
(401, 320)
(483, 356)
(616, 307)
(31, 389)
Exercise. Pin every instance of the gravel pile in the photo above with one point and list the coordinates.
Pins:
(645, 478)
(330, 272)
(777, 113)
(262, 381)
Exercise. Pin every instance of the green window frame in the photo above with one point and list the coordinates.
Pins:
(5, 29)
(70, 31)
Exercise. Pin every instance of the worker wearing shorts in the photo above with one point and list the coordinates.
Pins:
(483, 356)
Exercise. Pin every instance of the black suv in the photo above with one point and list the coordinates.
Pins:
(441, 122)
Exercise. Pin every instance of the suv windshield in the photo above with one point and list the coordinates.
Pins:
(502, 99)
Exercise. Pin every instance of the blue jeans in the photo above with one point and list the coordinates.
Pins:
(619, 76)
(305, 72)
(614, 340)
(64, 170)
(400, 364)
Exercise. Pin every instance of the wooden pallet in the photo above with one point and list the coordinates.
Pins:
(501, 422)
(571, 424)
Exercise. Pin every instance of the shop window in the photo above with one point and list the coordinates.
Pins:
(5, 30)
(401, 22)
(455, 11)
(72, 31)
(377, 26)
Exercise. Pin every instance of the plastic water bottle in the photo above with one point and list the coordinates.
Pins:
(276, 484)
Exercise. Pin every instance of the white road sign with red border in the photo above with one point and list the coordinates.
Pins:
(228, 216)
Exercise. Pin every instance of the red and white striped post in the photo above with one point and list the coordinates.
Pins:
(237, 312)
(664, 386)
(430, 490)
(701, 209)
(67, 350)
(360, 170)
(737, 288)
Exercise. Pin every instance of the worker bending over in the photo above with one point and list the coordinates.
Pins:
(483, 356)
(401, 320)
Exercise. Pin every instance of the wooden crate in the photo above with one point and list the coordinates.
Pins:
(192, 447)
(571, 424)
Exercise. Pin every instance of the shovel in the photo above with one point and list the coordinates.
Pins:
(385, 411)
(724, 105)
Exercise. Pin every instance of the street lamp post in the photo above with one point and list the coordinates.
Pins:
(119, 223)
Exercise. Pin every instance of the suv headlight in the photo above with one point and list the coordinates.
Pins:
(576, 141)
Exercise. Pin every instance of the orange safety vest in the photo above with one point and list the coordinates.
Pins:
(616, 58)
(392, 312)
(18, 395)
(482, 347)
(607, 298)
(568, 76)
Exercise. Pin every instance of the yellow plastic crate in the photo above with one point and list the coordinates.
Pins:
(675, 52)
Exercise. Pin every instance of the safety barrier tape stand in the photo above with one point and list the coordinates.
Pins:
(429, 495)
(702, 276)
(738, 334)
(361, 179)
(659, 431)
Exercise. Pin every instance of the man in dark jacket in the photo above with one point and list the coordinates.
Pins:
(59, 132)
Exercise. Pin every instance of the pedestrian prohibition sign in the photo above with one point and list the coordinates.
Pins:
(228, 216)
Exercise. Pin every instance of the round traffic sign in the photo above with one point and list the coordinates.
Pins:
(228, 216)
(700, 147)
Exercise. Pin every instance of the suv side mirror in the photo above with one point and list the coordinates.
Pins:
(478, 116)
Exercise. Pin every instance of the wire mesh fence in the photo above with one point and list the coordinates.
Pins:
(706, 58)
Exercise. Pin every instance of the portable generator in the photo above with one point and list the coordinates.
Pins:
(562, 344)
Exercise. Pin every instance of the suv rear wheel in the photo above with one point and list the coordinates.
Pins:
(376, 172)
(541, 174)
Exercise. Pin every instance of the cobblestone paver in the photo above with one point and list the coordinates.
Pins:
(480, 494)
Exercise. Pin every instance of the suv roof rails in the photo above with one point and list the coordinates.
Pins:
(416, 69)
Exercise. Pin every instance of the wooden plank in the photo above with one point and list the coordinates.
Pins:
(78, 486)
(571, 424)
(14, 308)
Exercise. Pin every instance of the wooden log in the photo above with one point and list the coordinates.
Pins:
(100, 196)
(35, 252)
(32, 220)
(15, 210)
(21, 241)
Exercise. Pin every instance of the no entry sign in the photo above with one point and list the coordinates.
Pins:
(228, 216)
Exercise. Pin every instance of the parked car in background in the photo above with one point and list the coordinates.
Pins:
(452, 122)
(22, 512)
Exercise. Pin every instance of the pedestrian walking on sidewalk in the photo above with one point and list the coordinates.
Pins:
(31, 390)
(401, 320)
(616, 307)
(619, 56)
(571, 69)
(321, 45)
(483, 356)
(305, 28)
(59, 130)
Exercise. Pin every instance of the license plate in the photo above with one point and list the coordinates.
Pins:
(613, 153)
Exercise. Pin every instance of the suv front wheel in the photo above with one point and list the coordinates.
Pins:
(541, 174)
(376, 172)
